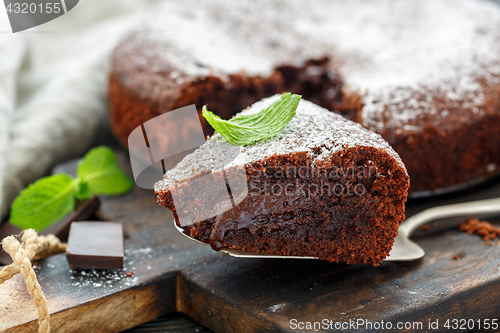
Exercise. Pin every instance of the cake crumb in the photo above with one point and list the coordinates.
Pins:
(425, 227)
(481, 228)
(129, 274)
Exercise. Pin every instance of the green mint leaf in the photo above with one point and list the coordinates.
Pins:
(244, 130)
(44, 202)
(82, 189)
(100, 171)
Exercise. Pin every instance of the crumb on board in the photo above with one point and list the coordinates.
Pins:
(129, 274)
(481, 228)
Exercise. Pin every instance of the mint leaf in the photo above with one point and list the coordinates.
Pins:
(99, 169)
(244, 130)
(82, 189)
(51, 198)
(44, 202)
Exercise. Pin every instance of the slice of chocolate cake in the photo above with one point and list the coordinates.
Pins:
(323, 187)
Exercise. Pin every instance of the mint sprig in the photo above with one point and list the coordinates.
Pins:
(51, 198)
(244, 130)
(99, 170)
(43, 202)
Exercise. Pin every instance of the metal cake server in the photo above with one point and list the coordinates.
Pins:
(403, 249)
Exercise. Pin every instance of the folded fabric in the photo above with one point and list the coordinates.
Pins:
(53, 81)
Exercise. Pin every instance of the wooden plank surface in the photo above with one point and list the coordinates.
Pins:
(229, 294)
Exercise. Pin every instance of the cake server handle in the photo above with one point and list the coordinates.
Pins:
(466, 209)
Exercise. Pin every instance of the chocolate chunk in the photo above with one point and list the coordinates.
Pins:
(84, 210)
(95, 245)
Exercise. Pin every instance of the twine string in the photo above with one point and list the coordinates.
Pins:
(31, 247)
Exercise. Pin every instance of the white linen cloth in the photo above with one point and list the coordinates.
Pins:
(53, 82)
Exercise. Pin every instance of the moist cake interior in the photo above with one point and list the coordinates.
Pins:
(341, 218)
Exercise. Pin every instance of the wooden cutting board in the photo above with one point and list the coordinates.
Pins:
(172, 273)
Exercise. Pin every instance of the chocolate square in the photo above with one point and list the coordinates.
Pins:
(95, 245)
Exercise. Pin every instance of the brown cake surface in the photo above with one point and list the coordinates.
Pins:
(424, 74)
(323, 187)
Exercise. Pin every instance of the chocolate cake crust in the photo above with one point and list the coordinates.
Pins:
(323, 187)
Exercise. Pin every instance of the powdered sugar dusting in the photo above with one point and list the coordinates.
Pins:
(404, 53)
(313, 127)
(111, 279)
(221, 36)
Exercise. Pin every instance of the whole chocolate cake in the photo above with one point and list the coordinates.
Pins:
(323, 187)
(424, 74)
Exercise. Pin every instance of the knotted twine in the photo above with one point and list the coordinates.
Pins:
(32, 247)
